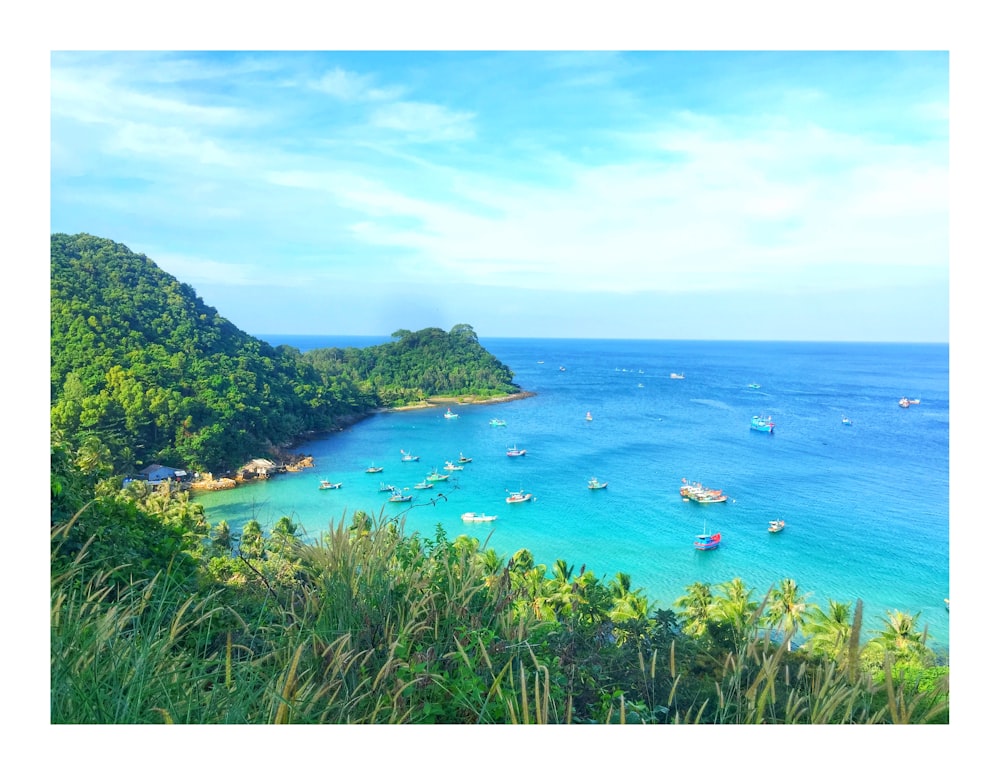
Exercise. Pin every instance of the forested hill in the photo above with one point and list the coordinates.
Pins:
(142, 366)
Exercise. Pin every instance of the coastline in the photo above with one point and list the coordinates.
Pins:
(433, 401)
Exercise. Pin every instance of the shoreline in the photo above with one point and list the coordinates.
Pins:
(433, 401)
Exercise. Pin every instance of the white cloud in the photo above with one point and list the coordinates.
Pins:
(353, 87)
(424, 121)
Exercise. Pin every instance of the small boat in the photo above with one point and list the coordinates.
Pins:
(408, 458)
(700, 494)
(562, 368)
(515, 452)
(588, 418)
(704, 541)
(449, 466)
(847, 421)
(775, 526)
(497, 423)
(914, 401)
(641, 385)
(326, 484)
(947, 604)
(471, 516)
(593, 484)
(434, 476)
(424, 485)
(373, 469)
(399, 497)
(518, 497)
(450, 415)
(674, 375)
(383, 487)
(463, 459)
(754, 386)
(758, 423)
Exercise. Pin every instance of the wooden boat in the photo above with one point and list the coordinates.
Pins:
(775, 526)
(515, 452)
(518, 497)
(408, 458)
(450, 415)
(700, 494)
(424, 485)
(758, 423)
(373, 469)
(399, 497)
(471, 516)
(593, 484)
(704, 541)
(326, 484)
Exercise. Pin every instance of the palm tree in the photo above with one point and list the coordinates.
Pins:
(695, 608)
(222, 538)
(829, 631)
(901, 638)
(787, 608)
(734, 613)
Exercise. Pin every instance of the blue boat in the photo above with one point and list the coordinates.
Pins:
(758, 423)
(706, 541)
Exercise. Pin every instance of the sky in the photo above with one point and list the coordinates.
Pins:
(664, 194)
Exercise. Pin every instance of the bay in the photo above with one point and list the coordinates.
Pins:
(866, 505)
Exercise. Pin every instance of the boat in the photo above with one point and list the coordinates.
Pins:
(847, 421)
(704, 541)
(775, 526)
(463, 459)
(914, 401)
(515, 452)
(593, 484)
(471, 516)
(758, 423)
(408, 458)
(326, 484)
(373, 469)
(641, 385)
(674, 375)
(700, 494)
(449, 466)
(399, 497)
(450, 415)
(562, 368)
(754, 386)
(588, 418)
(497, 423)
(518, 497)
(434, 476)
(905, 402)
(947, 604)
(383, 487)
(424, 485)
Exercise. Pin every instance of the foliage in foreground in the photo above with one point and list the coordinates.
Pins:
(372, 625)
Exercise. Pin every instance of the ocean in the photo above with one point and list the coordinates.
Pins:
(866, 505)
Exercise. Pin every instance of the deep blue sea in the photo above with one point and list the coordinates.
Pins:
(865, 505)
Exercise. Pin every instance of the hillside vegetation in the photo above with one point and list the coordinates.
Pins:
(142, 364)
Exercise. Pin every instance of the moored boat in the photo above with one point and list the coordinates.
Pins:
(674, 375)
(518, 497)
(383, 487)
(754, 386)
(905, 402)
(846, 420)
(497, 423)
(589, 417)
(471, 516)
(407, 457)
(450, 415)
(400, 497)
(326, 484)
(705, 541)
(594, 484)
(775, 526)
(373, 469)
(434, 476)
(449, 466)
(424, 485)
(463, 459)
(701, 494)
(759, 423)
(515, 452)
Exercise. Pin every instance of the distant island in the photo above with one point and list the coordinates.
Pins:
(143, 367)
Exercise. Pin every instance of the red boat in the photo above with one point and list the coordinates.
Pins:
(706, 542)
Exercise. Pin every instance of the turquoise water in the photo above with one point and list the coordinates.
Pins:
(866, 504)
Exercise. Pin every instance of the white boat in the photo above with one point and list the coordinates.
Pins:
(424, 485)
(594, 484)
(518, 497)
(471, 516)
(373, 469)
(383, 487)
(588, 418)
(434, 476)
(515, 452)
(450, 415)
(449, 466)
(497, 423)
(674, 375)
(326, 484)
(846, 420)
(399, 497)
(407, 457)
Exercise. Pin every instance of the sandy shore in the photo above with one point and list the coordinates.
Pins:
(461, 401)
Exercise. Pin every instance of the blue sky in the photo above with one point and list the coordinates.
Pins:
(674, 195)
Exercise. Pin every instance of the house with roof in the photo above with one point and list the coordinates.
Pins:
(158, 473)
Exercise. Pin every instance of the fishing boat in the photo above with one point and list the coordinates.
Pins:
(326, 484)
(434, 476)
(449, 466)
(754, 386)
(674, 375)
(562, 368)
(399, 497)
(594, 484)
(758, 423)
(383, 487)
(847, 420)
(775, 526)
(905, 402)
(408, 458)
(515, 452)
(588, 418)
(518, 497)
(497, 423)
(704, 541)
(700, 494)
(424, 485)
(450, 415)
(373, 469)
(471, 516)
(463, 459)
